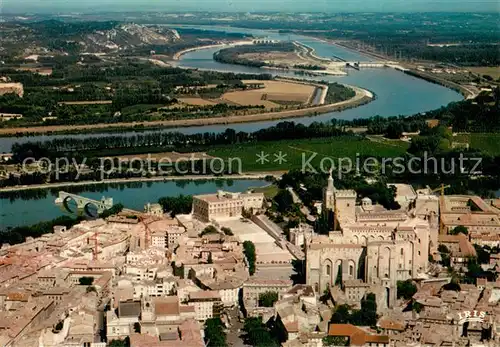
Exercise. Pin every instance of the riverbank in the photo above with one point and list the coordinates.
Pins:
(179, 54)
(466, 92)
(252, 176)
(362, 97)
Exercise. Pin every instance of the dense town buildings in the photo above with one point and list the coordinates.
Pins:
(157, 279)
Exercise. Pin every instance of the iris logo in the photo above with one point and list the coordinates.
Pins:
(471, 316)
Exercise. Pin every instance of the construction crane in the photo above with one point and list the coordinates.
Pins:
(96, 246)
(147, 234)
(441, 189)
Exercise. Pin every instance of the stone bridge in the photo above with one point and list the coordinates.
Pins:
(83, 203)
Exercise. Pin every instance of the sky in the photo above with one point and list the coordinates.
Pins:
(32, 6)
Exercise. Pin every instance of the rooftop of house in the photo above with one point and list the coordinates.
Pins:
(163, 225)
(222, 196)
(166, 306)
(256, 281)
(204, 295)
(465, 247)
(357, 336)
(468, 204)
(390, 324)
(130, 308)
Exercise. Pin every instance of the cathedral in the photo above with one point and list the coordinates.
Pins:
(368, 243)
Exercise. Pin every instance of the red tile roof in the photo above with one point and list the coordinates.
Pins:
(357, 336)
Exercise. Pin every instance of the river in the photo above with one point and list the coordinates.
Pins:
(396, 93)
(19, 211)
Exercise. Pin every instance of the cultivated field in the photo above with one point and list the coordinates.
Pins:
(486, 70)
(278, 58)
(294, 150)
(164, 157)
(279, 91)
(486, 142)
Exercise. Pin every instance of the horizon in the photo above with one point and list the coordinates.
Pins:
(255, 6)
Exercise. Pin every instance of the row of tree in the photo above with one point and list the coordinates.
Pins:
(249, 252)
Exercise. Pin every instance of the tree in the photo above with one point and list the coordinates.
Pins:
(181, 204)
(406, 289)
(335, 341)
(209, 230)
(115, 209)
(214, 333)
(120, 343)
(283, 200)
(86, 281)
(483, 255)
(459, 229)
(341, 314)
(227, 231)
(257, 333)
(249, 251)
(445, 255)
(416, 306)
(394, 130)
(474, 271)
(268, 298)
(368, 312)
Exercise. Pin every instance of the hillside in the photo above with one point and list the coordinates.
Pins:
(52, 36)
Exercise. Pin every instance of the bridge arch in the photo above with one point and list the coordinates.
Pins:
(67, 200)
(91, 209)
(84, 204)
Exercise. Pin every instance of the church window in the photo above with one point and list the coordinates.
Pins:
(328, 270)
(351, 270)
(402, 252)
(418, 252)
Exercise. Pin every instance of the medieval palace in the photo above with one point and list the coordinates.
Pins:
(370, 248)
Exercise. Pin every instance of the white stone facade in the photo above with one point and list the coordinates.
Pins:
(225, 204)
(377, 246)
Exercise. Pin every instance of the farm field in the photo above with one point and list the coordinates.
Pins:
(163, 157)
(486, 142)
(274, 94)
(293, 152)
(493, 71)
(277, 58)
(279, 91)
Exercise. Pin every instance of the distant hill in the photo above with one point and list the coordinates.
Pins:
(53, 36)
